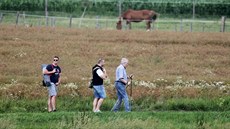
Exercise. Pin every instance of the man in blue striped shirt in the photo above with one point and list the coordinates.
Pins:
(120, 84)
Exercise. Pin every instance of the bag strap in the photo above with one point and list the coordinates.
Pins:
(95, 69)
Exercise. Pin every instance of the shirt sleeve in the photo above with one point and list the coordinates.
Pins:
(99, 72)
(49, 67)
(120, 73)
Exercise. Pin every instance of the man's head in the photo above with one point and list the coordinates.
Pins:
(55, 60)
(101, 62)
(124, 62)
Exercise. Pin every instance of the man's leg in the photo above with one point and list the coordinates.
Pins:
(53, 99)
(95, 103)
(117, 105)
(49, 104)
(126, 103)
(102, 96)
(99, 102)
(125, 97)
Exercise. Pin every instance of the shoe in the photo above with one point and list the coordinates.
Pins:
(97, 111)
(54, 110)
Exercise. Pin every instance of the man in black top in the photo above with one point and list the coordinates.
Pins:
(99, 74)
(55, 77)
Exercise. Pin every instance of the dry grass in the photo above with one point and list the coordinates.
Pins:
(152, 55)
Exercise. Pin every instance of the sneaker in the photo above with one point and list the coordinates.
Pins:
(97, 111)
(54, 110)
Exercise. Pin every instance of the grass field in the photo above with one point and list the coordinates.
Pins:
(134, 120)
(153, 55)
(179, 71)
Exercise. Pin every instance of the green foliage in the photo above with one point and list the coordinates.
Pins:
(200, 120)
(141, 104)
(199, 104)
(120, 120)
(174, 8)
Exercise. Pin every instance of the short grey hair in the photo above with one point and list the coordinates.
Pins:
(124, 61)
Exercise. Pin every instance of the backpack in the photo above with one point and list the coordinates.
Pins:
(46, 78)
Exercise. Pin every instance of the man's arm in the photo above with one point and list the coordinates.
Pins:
(48, 72)
(102, 74)
(59, 79)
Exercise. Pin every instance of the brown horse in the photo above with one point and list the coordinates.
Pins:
(137, 16)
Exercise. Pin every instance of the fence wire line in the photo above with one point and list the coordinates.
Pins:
(160, 1)
(107, 19)
(179, 24)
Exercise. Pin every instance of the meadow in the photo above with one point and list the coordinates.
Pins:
(177, 76)
(133, 120)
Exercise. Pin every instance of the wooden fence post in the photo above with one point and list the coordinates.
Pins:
(194, 10)
(223, 24)
(46, 13)
(119, 6)
(83, 14)
(70, 21)
(17, 18)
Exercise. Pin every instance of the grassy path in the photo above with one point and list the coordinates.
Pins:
(158, 120)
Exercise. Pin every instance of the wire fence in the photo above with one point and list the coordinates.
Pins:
(177, 25)
(164, 1)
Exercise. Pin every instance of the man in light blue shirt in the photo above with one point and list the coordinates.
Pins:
(120, 84)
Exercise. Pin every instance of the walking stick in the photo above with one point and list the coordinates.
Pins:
(131, 87)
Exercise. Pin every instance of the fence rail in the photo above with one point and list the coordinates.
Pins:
(22, 19)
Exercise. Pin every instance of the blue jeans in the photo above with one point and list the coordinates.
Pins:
(121, 94)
